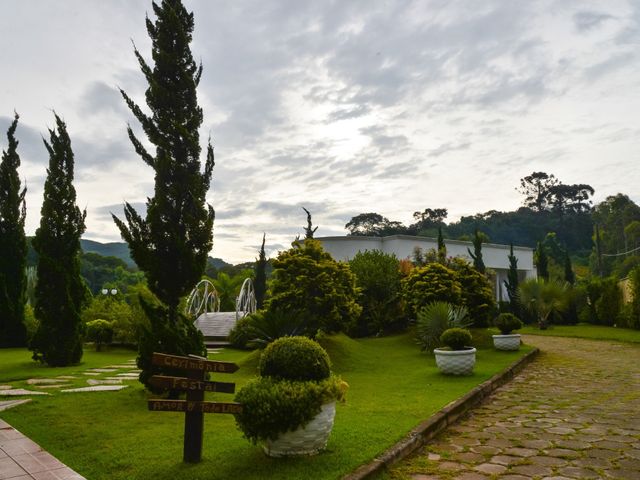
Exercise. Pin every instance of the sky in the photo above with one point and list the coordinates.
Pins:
(342, 107)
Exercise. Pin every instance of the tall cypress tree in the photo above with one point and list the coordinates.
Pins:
(13, 246)
(478, 263)
(261, 276)
(511, 283)
(60, 291)
(542, 262)
(442, 248)
(309, 230)
(171, 244)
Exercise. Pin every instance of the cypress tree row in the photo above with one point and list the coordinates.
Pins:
(261, 276)
(13, 246)
(60, 291)
(171, 244)
(442, 248)
(542, 262)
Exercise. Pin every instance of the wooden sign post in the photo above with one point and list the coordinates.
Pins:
(194, 406)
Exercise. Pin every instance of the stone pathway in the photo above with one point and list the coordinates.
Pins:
(23, 459)
(572, 414)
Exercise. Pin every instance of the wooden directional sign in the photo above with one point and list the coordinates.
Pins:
(185, 384)
(194, 406)
(186, 406)
(192, 363)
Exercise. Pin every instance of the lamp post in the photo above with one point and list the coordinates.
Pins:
(113, 291)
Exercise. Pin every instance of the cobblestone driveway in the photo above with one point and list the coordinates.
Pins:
(573, 413)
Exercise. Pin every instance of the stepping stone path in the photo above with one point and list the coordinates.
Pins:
(103, 370)
(20, 391)
(92, 381)
(7, 404)
(59, 385)
(44, 381)
(5, 387)
(96, 388)
(574, 413)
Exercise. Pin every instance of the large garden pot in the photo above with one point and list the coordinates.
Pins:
(307, 440)
(456, 362)
(507, 342)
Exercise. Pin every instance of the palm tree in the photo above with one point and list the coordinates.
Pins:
(228, 289)
(543, 297)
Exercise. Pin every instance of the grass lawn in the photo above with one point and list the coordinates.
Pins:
(583, 330)
(112, 435)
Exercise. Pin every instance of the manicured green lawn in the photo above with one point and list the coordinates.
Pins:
(594, 332)
(111, 435)
(16, 363)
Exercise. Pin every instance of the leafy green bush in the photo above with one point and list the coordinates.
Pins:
(272, 407)
(267, 326)
(456, 338)
(609, 305)
(378, 277)
(118, 312)
(432, 283)
(477, 294)
(634, 314)
(434, 319)
(30, 322)
(507, 323)
(295, 358)
(241, 333)
(307, 280)
(100, 332)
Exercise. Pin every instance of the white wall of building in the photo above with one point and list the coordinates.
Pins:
(495, 256)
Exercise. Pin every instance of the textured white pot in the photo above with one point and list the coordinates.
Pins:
(507, 342)
(307, 440)
(456, 362)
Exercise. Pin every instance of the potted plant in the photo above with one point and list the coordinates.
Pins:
(507, 323)
(291, 406)
(457, 358)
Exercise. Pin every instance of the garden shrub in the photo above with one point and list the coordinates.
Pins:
(241, 333)
(378, 277)
(456, 338)
(432, 283)
(608, 307)
(477, 294)
(507, 323)
(30, 322)
(434, 319)
(307, 280)
(295, 358)
(100, 332)
(269, 325)
(273, 407)
(116, 311)
(634, 314)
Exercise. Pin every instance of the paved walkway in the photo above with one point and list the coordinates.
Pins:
(23, 459)
(573, 413)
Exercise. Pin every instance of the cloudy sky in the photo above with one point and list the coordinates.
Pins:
(342, 107)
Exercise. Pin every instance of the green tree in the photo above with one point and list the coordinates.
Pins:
(478, 263)
(13, 246)
(442, 248)
(171, 244)
(379, 279)
(260, 286)
(512, 283)
(309, 230)
(373, 225)
(431, 283)
(308, 281)
(477, 294)
(542, 262)
(535, 188)
(228, 289)
(543, 298)
(60, 291)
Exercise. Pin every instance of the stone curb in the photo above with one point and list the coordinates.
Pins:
(439, 421)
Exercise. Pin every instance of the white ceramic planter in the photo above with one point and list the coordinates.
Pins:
(456, 362)
(307, 440)
(507, 342)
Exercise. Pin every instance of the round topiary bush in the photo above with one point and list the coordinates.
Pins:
(456, 338)
(100, 332)
(295, 358)
(507, 323)
(432, 283)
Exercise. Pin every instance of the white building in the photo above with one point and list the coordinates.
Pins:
(494, 256)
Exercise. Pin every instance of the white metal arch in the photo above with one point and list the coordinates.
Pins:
(246, 301)
(203, 298)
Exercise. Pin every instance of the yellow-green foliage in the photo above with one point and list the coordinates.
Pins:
(431, 283)
(306, 279)
(456, 338)
(477, 294)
